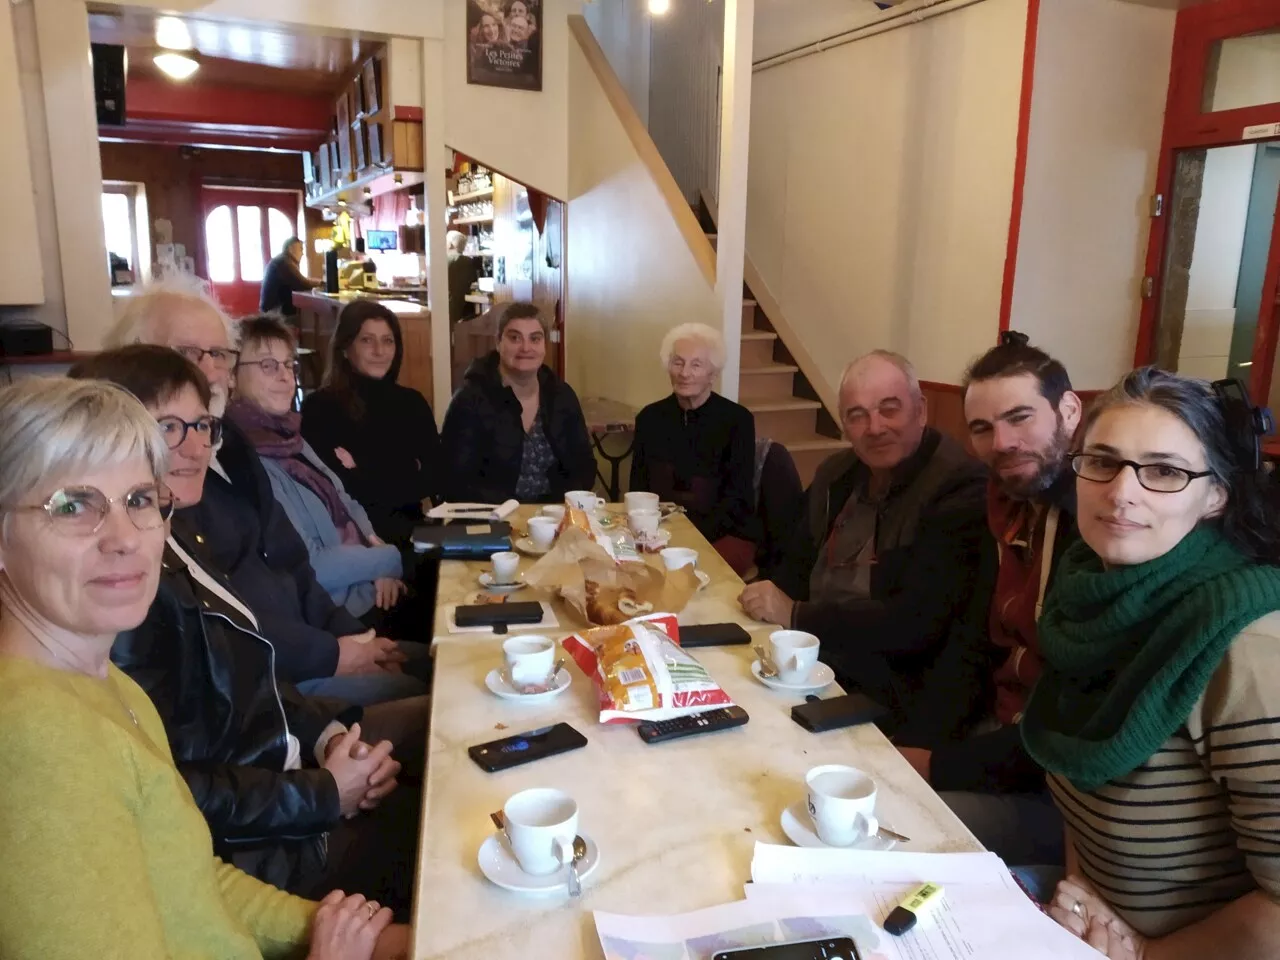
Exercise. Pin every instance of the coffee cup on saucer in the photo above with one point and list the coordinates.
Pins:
(529, 659)
(673, 558)
(793, 654)
(505, 565)
(542, 531)
(842, 803)
(540, 826)
(554, 510)
(583, 500)
(644, 522)
(635, 500)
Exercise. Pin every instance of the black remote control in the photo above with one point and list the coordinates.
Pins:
(708, 722)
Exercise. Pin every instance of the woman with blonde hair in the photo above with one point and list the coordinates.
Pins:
(698, 449)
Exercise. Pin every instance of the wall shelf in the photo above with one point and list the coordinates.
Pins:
(468, 197)
(465, 220)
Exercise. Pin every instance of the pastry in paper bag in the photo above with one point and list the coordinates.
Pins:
(603, 578)
(641, 673)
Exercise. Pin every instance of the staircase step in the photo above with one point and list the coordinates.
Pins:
(784, 417)
(771, 368)
(791, 403)
(757, 348)
(771, 381)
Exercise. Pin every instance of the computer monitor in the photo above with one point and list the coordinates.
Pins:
(381, 240)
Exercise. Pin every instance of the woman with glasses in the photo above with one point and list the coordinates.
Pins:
(358, 569)
(106, 854)
(698, 449)
(1157, 714)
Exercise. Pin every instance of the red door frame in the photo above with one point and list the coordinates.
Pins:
(1186, 127)
(240, 298)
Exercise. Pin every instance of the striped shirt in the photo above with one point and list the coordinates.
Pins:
(1198, 825)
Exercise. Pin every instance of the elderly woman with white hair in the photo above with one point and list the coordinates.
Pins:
(698, 449)
(106, 853)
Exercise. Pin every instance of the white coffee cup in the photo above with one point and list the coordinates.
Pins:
(793, 654)
(644, 523)
(842, 803)
(529, 658)
(541, 825)
(505, 565)
(673, 558)
(636, 500)
(583, 500)
(554, 510)
(542, 531)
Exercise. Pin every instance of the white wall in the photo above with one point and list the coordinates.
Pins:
(880, 188)
(786, 24)
(1097, 111)
(621, 27)
(627, 285)
(521, 133)
(1215, 261)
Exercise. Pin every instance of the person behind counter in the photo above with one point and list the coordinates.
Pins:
(378, 436)
(284, 277)
(515, 429)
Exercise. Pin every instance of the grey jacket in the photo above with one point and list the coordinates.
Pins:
(346, 571)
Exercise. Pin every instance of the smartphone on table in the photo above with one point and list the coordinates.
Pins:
(828, 948)
(526, 747)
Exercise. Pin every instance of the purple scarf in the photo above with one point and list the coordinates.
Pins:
(279, 437)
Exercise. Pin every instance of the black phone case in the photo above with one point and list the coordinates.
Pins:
(493, 614)
(526, 747)
(818, 716)
(830, 948)
(713, 635)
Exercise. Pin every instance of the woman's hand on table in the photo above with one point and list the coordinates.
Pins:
(1077, 906)
(348, 928)
(767, 603)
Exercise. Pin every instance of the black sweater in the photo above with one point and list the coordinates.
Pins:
(395, 446)
(703, 459)
(483, 437)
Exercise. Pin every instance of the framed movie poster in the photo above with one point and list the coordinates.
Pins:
(504, 43)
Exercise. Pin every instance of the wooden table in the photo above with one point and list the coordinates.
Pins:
(676, 823)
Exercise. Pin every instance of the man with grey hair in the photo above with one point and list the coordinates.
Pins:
(283, 278)
(893, 547)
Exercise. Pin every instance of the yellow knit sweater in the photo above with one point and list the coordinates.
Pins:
(103, 852)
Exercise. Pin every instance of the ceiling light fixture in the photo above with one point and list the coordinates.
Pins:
(659, 7)
(172, 34)
(176, 65)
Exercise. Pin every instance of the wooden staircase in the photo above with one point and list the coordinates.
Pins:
(772, 386)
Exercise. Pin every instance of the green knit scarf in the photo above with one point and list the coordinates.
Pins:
(1129, 650)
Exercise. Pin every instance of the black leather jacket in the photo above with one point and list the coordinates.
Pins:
(212, 679)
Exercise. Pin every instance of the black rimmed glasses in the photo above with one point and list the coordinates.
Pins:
(1156, 477)
(174, 429)
(271, 366)
(222, 357)
(81, 511)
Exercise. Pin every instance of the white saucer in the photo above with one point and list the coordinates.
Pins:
(499, 865)
(704, 579)
(486, 581)
(820, 677)
(526, 546)
(798, 827)
(499, 687)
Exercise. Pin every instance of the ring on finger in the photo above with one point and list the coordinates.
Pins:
(1078, 909)
(373, 908)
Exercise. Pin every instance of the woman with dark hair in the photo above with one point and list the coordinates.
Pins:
(1157, 714)
(515, 429)
(379, 437)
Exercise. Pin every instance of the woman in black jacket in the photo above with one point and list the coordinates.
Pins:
(516, 430)
(379, 437)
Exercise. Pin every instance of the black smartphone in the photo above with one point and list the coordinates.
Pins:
(713, 635)
(498, 614)
(830, 948)
(817, 716)
(526, 747)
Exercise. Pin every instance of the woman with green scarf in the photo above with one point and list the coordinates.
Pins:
(1157, 716)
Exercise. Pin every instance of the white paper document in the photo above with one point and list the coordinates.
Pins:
(802, 894)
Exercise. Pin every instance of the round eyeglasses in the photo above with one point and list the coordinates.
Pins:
(271, 366)
(223, 357)
(1156, 477)
(174, 429)
(81, 511)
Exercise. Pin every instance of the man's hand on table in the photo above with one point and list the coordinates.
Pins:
(364, 774)
(919, 758)
(765, 602)
(367, 653)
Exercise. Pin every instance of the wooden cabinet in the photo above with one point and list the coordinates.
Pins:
(415, 370)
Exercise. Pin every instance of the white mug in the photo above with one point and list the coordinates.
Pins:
(673, 558)
(644, 523)
(583, 500)
(529, 658)
(504, 566)
(842, 803)
(554, 510)
(540, 826)
(542, 531)
(641, 501)
(793, 654)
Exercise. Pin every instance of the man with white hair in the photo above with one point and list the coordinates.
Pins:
(893, 548)
(320, 647)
